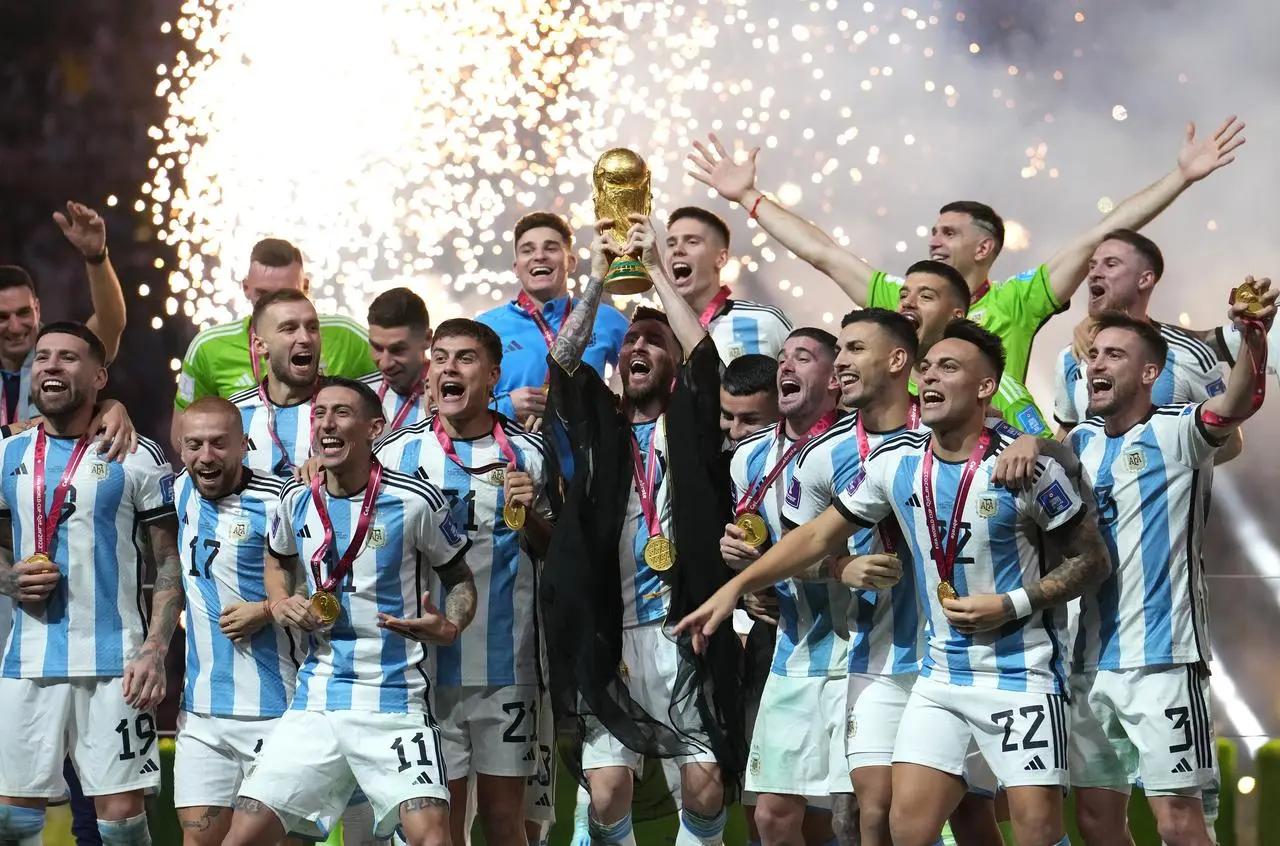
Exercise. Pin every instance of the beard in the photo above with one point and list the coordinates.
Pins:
(646, 394)
(283, 374)
(62, 405)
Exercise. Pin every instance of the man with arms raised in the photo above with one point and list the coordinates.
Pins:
(278, 413)
(529, 324)
(793, 763)
(239, 667)
(1140, 683)
(75, 666)
(361, 712)
(399, 340)
(223, 360)
(638, 540)
(697, 251)
(495, 477)
(969, 236)
(993, 674)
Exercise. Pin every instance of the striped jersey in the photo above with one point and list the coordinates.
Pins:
(811, 627)
(1191, 373)
(217, 362)
(886, 635)
(393, 404)
(223, 545)
(744, 327)
(1229, 339)
(645, 597)
(292, 426)
(1000, 548)
(498, 648)
(1149, 486)
(353, 665)
(97, 614)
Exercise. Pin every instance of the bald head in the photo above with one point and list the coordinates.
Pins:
(213, 445)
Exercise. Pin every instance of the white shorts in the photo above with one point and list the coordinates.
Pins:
(797, 748)
(213, 755)
(113, 746)
(1022, 736)
(875, 710)
(540, 790)
(312, 762)
(1151, 724)
(487, 730)
(652, 663)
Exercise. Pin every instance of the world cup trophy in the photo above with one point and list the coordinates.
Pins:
(621, 187)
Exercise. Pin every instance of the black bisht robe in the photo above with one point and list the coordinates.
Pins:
(581, 590)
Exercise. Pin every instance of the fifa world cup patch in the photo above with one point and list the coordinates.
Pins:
(450, 530)
(1030, 420)
(166, 489)
(1217, 386)
(1054, 500)
(856, 481)
(793, 493)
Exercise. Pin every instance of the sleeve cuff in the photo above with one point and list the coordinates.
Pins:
(849, 515)
(461, 554)
(1203, 428)
(155, 514)
(1072, 521)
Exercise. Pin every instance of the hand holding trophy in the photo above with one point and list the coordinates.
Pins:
(621, 188)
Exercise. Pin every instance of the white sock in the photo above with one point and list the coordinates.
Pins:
(618, 833)
(130, 832)
(700, 830)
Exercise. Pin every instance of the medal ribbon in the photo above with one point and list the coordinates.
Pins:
(419, 391)
(499, 437)
(644, 476)
(1258, 361)
(343, 565)
(756, 491)
(980, 292)
(284, 463)
(945, 557)
(864, 449)
(530, 308)
(709, 312)
(47, 524)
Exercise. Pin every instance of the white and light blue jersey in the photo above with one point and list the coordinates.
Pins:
(223, 546)
(744, 327)
(645, 597)
(292, 427)
(97, 615)
(498, 648)
(353, 665)
(1192, 373)
(886, 633)
(1000, 548)
(1230, 340)
(811, 626)
(1148, 482)
(394, 404)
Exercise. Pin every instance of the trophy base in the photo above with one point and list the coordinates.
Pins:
(627, 276)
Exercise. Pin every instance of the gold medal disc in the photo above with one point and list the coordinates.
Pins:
(514, 514)
(659, 554)
(43, 561)
(325, 606)
(946, 591)
(753, 528)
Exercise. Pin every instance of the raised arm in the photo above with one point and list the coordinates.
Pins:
(144, 677)
(87, 232)
(736, 182)
(575, 333)
(684, 321)
(1223, 414)
(1196, 160)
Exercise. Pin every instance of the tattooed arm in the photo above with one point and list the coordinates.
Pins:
(575, 333)
(144, 677)
(431, 626)
(1085, 563)
(460, 593)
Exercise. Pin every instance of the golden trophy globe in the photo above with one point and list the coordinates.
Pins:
(621, 187)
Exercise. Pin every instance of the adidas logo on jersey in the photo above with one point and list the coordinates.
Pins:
(20, 470)
(252, 445)
(544, 801)
(913, 501)
(1184, 766)
(529, 756)
(423, 778)
(304, 532)
(1036, 764)
(149, 767)
(512, 347)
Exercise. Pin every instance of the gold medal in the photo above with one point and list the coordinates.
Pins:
(1247, 293)
(514, 514)
(659, 554)
(753, 528)
(325, 606)
(946, 591)
(39, 558)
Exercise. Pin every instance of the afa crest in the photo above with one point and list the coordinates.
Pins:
(851, 727)
(240, 530)
(736, 351)
(377, 537)
(1135, 460)
(988, 507)
(99, 470)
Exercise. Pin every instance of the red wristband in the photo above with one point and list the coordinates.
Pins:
(755, 207)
